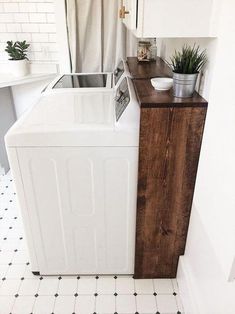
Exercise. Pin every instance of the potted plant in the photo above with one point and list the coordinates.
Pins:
(186, 64)
(18, 57)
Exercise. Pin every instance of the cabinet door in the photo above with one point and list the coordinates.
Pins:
(130, 19)
(171, 18)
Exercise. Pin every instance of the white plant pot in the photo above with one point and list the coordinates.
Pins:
(19, 67)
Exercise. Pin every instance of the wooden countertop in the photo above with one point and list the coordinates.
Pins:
(144, 70)
(148, 97)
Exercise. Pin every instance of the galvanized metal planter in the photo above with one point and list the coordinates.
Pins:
(184, 84)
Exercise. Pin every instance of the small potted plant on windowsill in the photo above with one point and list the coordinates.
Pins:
(186, 65)
(18, 57)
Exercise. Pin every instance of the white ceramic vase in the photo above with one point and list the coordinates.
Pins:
(19, 68)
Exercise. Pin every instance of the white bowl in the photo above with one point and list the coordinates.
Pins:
(162, 83)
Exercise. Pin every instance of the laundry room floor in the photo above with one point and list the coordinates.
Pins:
(23, 293)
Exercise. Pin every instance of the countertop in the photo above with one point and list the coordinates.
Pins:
(8, 80)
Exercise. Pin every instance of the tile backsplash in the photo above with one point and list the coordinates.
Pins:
(31, 20)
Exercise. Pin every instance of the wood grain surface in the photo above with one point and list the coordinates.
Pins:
(170, 141)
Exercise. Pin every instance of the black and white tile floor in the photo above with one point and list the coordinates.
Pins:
(23, 293)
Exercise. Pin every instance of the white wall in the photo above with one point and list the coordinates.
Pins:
(210, 251)
(34, 21)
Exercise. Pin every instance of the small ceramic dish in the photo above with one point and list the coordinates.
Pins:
(162, 83)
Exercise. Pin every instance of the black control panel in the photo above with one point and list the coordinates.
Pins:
(122, 98)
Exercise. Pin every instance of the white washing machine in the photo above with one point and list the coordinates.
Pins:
(74, 160)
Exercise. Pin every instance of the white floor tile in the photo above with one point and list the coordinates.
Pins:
(146, 304)
(10, 287)
(125, 304)
(166, 303)
(16, 271)
(20, 257)
(144, 286)
(23, 305)
(87, 285)
(125, 285)
(106, 285)
(85, 304)
(163, 286)
(48, 286)
(67, 286)
(3, 271)
(64, 305)
(175, 285)
(29, 287)
(44, 305)
(105, 304)
(6, 304)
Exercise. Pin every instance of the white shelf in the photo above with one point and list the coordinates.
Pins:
(7, 80)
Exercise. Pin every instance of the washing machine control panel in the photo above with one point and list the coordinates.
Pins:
(122, 98)
(118, 72)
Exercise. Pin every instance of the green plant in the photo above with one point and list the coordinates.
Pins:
(17, 50)
(189, 60)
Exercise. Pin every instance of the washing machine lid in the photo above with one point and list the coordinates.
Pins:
(79, 119)
(82, 82)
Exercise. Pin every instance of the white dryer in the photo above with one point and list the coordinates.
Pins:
(74, 160)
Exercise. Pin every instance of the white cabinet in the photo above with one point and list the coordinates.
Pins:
(172, 18)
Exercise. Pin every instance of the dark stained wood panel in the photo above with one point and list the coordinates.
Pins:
(148, 97)
(146, 70)
(170, 141)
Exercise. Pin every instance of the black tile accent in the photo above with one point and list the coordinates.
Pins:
(174, 293)
(178, 312)
(27, 263)
(36, 295)
(15, 217)
(36, 273)
(22, 278)
(16, 295)
(41, 278)
(0, 217)
(6, 208)
(96, 294)
(10, 201)
(75, 294)
(9, 264)
(5, 239)
(60, 278)
(115, 277)
(136, 312)
(15, 250)
(21, 238)
(4, 278)
(115, 312)
(155, 294)
(135, 294)
(97, 277)
(78, 277)
(56, 295)
(158, 312)
(115, 294)
(10, 227)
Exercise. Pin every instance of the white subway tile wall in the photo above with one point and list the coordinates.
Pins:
(31, 20)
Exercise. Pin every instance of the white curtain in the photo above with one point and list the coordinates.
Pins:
(97, 37)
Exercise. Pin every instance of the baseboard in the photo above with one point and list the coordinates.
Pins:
(186, 287)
